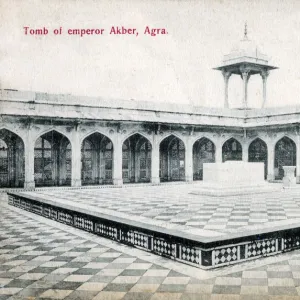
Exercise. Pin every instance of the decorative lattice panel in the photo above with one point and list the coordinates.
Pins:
(108, 174)
(65, 217)
(47, 212)
(53, 214)
(3, 180)
(83, 223)
(106, 230)
(17, 202)
(143, 163)
(28, 206)
(292, 242)
(23, 204)
(143, 174)
(68, 163)
(263, 247)
(37, 208)
(135, 238)
(225, 255)
(191, 254)
(3, 165)
(164, 247)
(10, 200)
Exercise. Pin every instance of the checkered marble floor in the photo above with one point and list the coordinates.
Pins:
(43, 259)
(174, 205)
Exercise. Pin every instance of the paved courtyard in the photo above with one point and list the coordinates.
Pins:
(43, 259)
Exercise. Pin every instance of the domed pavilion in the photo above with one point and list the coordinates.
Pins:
(245, 60)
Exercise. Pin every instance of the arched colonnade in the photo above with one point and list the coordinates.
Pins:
(136, 160)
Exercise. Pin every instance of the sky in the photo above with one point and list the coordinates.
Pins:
(173, 68)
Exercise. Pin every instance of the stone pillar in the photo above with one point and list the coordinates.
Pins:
(218, 153)
(29, 160)
(245, 152)
(245, 76)
(136, 158)
(226, 76)
(264, 75)
(117, 164)
(298, 159)
(76, 159)
(271, 158)
(189, 160)
(29, 167)
(19, 167)
(155, 161)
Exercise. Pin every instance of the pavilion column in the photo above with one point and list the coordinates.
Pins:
(29, 160)
(189, 161)
(298, 159)
(117, 164)
(155, 161)
(264, 75)
(76, 159)
(271, 159)
(245, 77)
(226, 76)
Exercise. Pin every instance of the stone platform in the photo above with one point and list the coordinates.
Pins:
(203, 231)
(226, 190)
(233, 178)
(234, 173)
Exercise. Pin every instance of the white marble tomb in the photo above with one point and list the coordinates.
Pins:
(234, 173)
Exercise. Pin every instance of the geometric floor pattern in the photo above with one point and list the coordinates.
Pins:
(41, 261)
(175, 205)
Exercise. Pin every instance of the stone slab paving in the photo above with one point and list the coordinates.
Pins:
(173, 206)
(43, 259)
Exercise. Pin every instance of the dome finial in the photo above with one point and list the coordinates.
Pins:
(245, 32)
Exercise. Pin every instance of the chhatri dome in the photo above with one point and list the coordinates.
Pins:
(245, 50)
(245, 60)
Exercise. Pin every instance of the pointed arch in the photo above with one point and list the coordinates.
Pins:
(90, 133)
(258, 152)
(96, 159)
(172, 159)
(12, 159)
(284, 135)
(173, 135)
(232, 150)
(197, 138)
(49, 131)
(52, 159)
(203, 152)
(6, 129)
(136, 133)
(136, 159)
(285, 155)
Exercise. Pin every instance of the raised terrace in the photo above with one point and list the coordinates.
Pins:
(176, 221)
